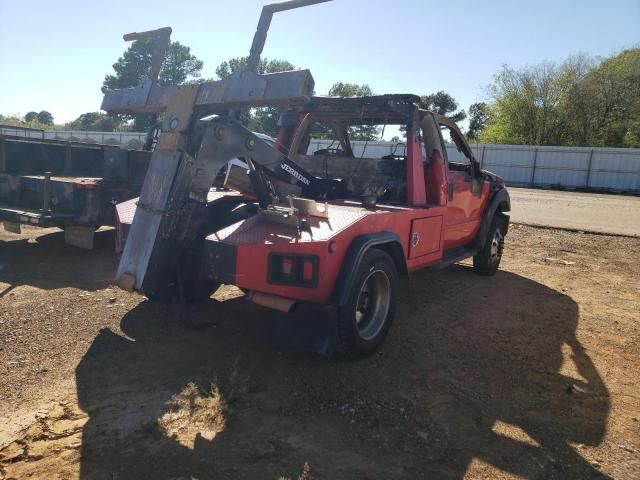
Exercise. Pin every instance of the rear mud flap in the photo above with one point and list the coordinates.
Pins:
(12, 227)
(81, 237)
(307, 327)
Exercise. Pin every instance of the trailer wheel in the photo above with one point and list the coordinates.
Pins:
(487, 260)
(200, 291)
(187, 289)
(365, 319)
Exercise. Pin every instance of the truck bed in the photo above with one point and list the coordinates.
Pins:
(56, 183)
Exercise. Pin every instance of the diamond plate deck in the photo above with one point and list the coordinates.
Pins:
(259, 230)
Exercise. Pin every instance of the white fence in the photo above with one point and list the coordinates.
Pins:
(605, 169)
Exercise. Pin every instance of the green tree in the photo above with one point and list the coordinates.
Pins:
(478, 117)
(579, 102)
(578, 111)
(95, 121)
(343, 89)
(31, 117)
(265, 66)
(359, 132)
(30, 120)
(615, 85)
(265, 119)
(178, 66)
(45, 118)
(524, 108)
(12, 120)
(443, 104)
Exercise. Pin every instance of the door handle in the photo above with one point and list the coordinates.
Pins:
(451, 189)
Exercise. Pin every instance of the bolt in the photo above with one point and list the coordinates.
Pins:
(219, 132)
(250, 143)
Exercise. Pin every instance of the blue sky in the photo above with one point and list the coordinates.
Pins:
(55, 54)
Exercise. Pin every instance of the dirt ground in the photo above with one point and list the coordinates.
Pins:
(531, 373)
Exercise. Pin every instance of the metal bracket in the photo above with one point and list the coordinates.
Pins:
(246, 84)
(162, 37)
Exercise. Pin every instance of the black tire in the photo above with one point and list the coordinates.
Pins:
(95, 228)
(487, 260)
(192, 293)
(190, 287)
(365, 319)
(201, 291)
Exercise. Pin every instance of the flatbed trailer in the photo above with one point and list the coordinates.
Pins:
(65, 184)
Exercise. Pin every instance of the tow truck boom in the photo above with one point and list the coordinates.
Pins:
(179, 177)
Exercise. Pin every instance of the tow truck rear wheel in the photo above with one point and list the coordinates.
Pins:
(487, 260)
(365, 319)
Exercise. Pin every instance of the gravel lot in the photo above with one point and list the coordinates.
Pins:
(532, 373)
(605, 213)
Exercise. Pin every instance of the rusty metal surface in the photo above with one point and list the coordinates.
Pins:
(151, 212)
(126, 210)
(163, 37)
(263, 26)
(283, 88)
(244, 88)
(129, 100)
(176, 183)
(258, 230)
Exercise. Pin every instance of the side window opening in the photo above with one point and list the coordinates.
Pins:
(347, 151)
(459, 160)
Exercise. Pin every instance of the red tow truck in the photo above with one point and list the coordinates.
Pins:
(295, 226)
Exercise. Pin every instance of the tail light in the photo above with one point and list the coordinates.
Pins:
(85, 186)
(294, 270)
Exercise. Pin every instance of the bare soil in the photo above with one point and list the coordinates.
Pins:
(532, 373)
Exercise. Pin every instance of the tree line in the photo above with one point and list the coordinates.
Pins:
(582, 101)
(181, 66)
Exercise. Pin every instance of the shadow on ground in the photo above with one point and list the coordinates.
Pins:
(474, 368)
(47, 262)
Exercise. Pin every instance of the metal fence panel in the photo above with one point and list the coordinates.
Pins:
(561, 167)
(514, 165)
(608, 169)
(615, 170)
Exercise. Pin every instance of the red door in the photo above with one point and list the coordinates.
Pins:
(464, 209)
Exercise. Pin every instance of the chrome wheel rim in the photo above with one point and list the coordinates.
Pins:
(373, 304)
(497, 244)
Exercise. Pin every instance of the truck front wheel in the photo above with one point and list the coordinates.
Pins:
(487, 260)
(365, 319)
